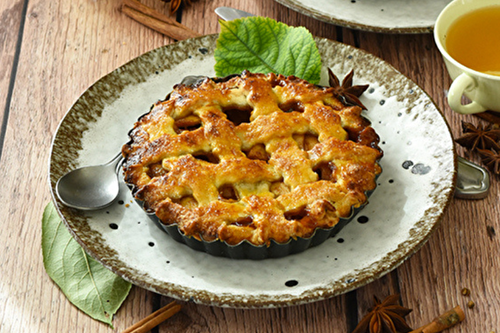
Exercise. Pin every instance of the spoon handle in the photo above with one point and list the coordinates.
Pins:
(116, 162)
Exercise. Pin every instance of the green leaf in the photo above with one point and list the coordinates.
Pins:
(262, 45)
(86, 283)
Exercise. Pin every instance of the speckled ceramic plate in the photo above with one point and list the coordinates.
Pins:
(414, 189)
(389, 16)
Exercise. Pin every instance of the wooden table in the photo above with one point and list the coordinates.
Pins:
(51, 51)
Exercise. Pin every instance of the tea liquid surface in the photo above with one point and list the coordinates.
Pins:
(474, 40)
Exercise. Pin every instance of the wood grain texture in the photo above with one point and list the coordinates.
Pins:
(11, 17)
(66, 46)
(314, 317)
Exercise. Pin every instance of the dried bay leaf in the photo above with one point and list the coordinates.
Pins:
(262, 45)
(86, 283)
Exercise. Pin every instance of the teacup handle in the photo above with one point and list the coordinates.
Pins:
(462, 83)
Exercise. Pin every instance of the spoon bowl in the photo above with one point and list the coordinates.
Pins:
(91, 187)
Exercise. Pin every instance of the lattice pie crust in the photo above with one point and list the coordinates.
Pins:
(252, 157)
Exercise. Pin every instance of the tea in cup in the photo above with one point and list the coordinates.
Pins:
(467, 33)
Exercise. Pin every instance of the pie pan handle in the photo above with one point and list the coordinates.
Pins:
(473, 181)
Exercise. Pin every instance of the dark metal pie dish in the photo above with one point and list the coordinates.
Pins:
(245, 249)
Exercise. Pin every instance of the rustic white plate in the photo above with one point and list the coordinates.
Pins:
(389, 16)
(414, 189)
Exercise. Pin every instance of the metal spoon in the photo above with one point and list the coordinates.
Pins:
(91, 187)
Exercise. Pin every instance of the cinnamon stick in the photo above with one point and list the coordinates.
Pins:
(157, 21)
(444, 321)
(154, 319)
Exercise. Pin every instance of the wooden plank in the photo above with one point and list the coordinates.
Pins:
(460, 254)
(10, 23)
(315, 317)
(67, 45)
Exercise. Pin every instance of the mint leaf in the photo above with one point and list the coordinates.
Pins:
(86, 283)
(262, 45)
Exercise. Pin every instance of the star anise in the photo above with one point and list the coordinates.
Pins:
(346, 92)
(491, 158)
(385, 317)
(475, 137)
(175, 4)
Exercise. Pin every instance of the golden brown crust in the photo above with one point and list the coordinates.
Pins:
(256, 157)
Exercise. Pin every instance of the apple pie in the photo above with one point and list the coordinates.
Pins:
(252, 157)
